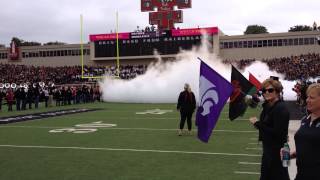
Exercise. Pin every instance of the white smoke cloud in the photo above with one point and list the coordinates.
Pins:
(163, 81)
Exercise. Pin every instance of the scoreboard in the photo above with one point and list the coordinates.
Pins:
(146, 43)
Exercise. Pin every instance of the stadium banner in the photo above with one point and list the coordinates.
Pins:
(28, 117)
(214, 91)
(152, 34)
(113, 36)
(194, 31)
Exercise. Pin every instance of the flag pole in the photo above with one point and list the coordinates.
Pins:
(117, 35)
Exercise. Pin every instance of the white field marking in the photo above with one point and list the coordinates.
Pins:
(256, 143)
(253, 148)
(243, 172)
(112, 128)
(168, 118)
(130, 150)
(249, 163)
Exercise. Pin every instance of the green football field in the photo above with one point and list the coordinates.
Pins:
(126, 141)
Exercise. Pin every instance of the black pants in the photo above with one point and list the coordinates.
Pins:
(185, 116)
(271, 165)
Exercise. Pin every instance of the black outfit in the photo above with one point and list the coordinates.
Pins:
(273, 132)
(186, 105)
(307, 141)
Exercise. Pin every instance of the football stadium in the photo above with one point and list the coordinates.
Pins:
(110, 108)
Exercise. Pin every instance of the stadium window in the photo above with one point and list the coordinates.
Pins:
(300, 41)
(235, 44)
(254, 44)
(274, 42)
(240, 44)
(132, 41)
(136, 41)
(197, 37)
(311, 40)
(290, 42)
(23, 54)
(269, 43)
(65, 52)
(124, 42)
(249, 44)
(51, 53)
(165, 39)
(296, 41)
(264, 43)
(55, 53)
(260, 43)
(279, 42)
(104, 42)
(148, 40)
(285, 42)
(225, 45)
(191, 38)
(230, 44)
(188, 38)
(306, 41)
(170, 39)
(179, 38)
(245, 44)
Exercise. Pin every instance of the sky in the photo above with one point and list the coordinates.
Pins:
(59, 20)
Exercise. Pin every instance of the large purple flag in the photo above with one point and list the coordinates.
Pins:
(214, 92)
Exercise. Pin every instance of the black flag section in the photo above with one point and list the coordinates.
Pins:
(241, 87)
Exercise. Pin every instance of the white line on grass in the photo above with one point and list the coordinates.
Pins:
(249, 163)
(113, 128)
(243, 172)
(253, 148)
(130, 150)
(255, 143)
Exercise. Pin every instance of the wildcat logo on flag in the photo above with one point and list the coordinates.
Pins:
(214, 92)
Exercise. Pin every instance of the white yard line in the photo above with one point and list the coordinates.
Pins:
(113, 128)
(129, 150)
(249, 163)
(249, 173)
(253, 148)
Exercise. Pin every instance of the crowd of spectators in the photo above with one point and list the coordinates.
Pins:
(300, 67)
(10, 73)
(29, 97)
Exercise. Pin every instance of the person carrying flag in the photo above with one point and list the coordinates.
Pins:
(273, 130)
(186, 105)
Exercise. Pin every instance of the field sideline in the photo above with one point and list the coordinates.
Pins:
(125, 141)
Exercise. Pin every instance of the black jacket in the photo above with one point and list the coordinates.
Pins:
(273, 124)
(186, 102)
(307, 140)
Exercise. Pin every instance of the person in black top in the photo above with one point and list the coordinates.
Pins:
(273, 131)
(307, 138)
(186, 105)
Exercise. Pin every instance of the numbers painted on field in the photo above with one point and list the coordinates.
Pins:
(83, 128)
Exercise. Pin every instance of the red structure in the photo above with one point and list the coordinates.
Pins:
(166, 16)
(13, 51)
